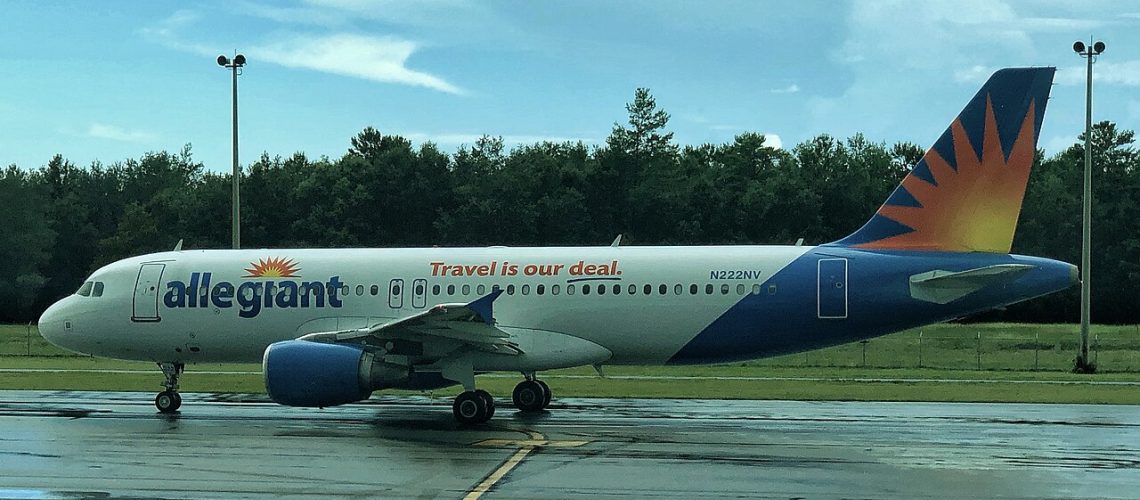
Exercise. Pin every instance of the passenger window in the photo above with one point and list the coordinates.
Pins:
(693, 289)
(539, 289)
(724, 289)
(633, 289)
(662, 289)
(510, 289)
(569, 289)
(98, 289)
(343, 290)
(495, 288)
(771, 289)
(85, 290)
(466, 289)
(376, 289)
(708, 289)
(601, 289)
(359, 290)
(481, 289)
(677, 289)
(435, 289)
(617, 289)
(586, 289)
(419, 289)
(526, 289)
(451, 289)
(756, 289)
(554, 289)
(740, 289)
(648, 289)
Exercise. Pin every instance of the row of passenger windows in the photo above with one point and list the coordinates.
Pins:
(556, 289)
(603, 289)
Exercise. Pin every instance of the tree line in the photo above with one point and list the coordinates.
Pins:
(62, 221)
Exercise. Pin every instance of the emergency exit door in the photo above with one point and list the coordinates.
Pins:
(396, 294)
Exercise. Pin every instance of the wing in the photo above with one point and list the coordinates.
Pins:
(470, 325)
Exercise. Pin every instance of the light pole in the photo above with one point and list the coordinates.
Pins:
(1089, 53)
(235, 66)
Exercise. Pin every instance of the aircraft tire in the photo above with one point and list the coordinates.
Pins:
(488, 400)
(470, 408)
(528, 396)
(168, 401)
(546, 393)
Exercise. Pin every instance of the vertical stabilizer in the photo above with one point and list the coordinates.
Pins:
(965, 194)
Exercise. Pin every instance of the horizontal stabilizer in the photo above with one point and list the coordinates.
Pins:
(943, 287)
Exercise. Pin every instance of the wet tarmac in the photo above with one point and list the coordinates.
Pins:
(115, 445)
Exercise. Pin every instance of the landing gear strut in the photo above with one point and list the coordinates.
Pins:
(531, 395)
(169, 401)
(473, 407)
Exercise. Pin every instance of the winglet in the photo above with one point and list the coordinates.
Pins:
(482, 306)
(617, 241)
(178, 247)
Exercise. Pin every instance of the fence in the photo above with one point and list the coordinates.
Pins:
(981, 347)
(946, 346)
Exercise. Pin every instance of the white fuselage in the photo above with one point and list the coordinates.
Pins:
(642, 304)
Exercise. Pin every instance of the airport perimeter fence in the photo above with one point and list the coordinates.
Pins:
(949, 347)
(1047, 348)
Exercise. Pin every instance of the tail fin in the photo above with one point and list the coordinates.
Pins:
(965, 194)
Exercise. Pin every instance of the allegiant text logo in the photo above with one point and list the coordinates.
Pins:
(251, 296)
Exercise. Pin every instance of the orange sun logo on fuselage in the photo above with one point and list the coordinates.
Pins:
(273, 267)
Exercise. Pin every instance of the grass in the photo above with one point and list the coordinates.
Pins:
(1018, 363)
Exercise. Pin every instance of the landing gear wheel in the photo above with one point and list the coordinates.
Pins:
(167, 401)
(471, 408)
(488, 400)
(529, 396)
(546, 394)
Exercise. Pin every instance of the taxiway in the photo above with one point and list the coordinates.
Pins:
(69, 444)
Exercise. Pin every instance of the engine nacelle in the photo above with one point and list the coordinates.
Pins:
(314, 374)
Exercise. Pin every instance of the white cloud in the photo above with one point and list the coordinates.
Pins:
(104, 131)
(974, 74)
(774, 141)
(380, 59)
(790, 89)
(1125, 74)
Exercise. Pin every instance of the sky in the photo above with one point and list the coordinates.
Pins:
(110, 81)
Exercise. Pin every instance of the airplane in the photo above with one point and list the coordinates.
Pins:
(331, 326)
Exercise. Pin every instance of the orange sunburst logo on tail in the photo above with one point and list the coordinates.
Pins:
(273, 267)
(974, 207)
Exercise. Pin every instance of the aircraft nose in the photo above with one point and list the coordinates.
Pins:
(51, 323)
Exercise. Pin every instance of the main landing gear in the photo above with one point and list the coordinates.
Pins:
(169, 401)
(473, 407)
(531, 395)
(477, 406)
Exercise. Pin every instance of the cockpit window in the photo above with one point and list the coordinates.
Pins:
(97, 291)
(85, 290)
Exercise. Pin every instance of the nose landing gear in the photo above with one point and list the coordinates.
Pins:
(169, 401)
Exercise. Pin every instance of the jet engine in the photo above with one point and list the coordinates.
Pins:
(314, 374)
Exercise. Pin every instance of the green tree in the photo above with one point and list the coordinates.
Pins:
(25, 247)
